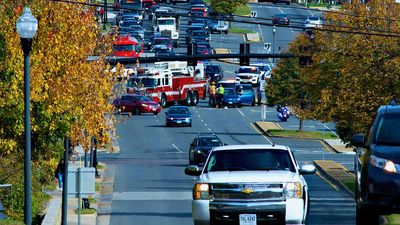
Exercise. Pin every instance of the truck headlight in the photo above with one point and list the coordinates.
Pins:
(201, 191)
(384, 164)
(293, 190)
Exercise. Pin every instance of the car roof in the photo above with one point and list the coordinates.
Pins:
(251, 146)
(389, 109)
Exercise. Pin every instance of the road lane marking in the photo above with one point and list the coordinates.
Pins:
(330, 130)
(280, 9)
(255, 128)
(240, 112)
(209, 129)
(327, 181)
(152, 196)
(173, 145)
(326, 146)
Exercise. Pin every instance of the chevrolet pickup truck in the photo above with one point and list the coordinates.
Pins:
(250, 185)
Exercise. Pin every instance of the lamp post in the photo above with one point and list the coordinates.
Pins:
(27, 26)
(273, 43)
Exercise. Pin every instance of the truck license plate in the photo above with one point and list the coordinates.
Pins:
(248, 219)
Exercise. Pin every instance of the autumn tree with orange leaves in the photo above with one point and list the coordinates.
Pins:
(69, 95)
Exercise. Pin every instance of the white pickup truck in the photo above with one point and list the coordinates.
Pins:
(250, 185)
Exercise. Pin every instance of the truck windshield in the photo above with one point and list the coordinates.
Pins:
(129, 47)
(166, 22)
(388, 130)
(249, 159)
(142, 82)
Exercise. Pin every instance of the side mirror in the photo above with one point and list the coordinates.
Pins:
(358, 140)
(307, 169)
(193, 170)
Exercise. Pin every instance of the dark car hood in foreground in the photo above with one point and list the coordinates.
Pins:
(387, 152)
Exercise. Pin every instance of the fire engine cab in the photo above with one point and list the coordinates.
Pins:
(166, 88)
(127, 46)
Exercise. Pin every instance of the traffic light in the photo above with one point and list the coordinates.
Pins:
(244, 49)
(191, 50)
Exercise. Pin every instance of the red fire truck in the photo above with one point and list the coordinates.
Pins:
(127, 46)
(166, 88)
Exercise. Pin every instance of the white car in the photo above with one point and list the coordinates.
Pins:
(248, 74)
(250, 184)
(265, 69)
(313, 21)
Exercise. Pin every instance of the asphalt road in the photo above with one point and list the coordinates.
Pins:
(151, 188)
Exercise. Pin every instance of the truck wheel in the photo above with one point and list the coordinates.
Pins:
(163, 101)
(195, 98)
(188, 100)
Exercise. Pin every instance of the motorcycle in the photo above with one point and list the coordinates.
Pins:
(283, 113)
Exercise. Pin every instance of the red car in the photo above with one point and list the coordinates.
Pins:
(136, 104)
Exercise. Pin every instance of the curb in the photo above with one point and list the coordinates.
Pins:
(334, 149)
(262, 130)
(333, 179)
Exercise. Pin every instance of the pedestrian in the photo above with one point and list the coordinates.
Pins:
(220, 95)
(59, 173)
(211, 100)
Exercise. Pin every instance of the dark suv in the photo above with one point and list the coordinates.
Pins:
(377, 167)
(201, 146)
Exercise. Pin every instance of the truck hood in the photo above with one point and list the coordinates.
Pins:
(273, 176)
(166, 27)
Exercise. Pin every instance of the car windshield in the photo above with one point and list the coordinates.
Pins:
(229, 92)
(388, 130)
(161, 41)
(178, 111)
(143, 99)
(199, 34)
(212, 69)
(166, 22)
(249, 159)
(124, 47)
(210, 141)
(142, 82)
(247, 70)
(313, 18)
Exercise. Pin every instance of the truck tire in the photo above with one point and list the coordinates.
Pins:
(195, 98)
(163, 101)
(188, 100)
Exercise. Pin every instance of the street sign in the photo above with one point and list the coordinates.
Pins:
(254, 14)
(267, 46)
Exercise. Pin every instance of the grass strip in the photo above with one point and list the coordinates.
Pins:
(241, 31)
(301, 134)
(86, 211)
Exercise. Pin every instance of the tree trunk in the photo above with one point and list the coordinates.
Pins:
(301, 125)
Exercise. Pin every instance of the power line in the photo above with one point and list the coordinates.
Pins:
(355, 31)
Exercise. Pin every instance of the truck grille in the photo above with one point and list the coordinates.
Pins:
(234, 192)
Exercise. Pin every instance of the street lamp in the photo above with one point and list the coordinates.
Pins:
(273, 43)
(27, 26)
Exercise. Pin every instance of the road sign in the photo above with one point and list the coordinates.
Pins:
(254, 14)
(267, 46)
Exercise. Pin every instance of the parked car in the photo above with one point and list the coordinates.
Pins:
(280, 19)
(137, 104)
(201, 146)
(179, 116)
(377, 167)
(247, 96)
(313, 21)
(219, 26)
(214, 72)
(258, 183)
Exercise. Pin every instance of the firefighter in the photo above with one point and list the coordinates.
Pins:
(211, 100)
(220, 95)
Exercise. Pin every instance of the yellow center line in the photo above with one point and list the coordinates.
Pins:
(326, 147)
(327, 181)
(266, 138)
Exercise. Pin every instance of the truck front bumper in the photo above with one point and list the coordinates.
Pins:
(291, 211)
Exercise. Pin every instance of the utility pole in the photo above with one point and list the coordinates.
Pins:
(273, 42)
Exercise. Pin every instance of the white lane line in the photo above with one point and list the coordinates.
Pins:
(261, 33)
(202, 120)
(240, 112)
(173, 145)
(280, 9)
(329, 129)
(151, 196)
(209, 129)
(174, 152)
(310, 12)
(205, 124)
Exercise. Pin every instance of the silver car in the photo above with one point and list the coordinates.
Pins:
(219, 26)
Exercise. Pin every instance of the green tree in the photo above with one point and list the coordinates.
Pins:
(226, 6)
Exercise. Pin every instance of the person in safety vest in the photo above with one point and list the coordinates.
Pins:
(213, 91)
(220, 95)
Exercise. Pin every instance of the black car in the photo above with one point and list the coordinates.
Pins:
(377, 167)
(198, 36)
(201, 146)
(214, 72)
(280, 19)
